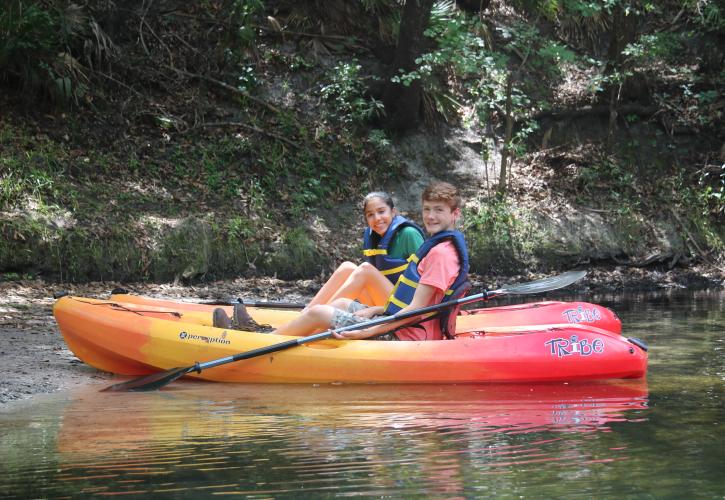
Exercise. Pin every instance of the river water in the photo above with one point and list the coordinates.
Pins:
(656, 438)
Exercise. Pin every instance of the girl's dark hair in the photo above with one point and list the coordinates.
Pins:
(387, 199)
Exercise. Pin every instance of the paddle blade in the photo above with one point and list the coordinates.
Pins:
(543, 285)
(149, 382)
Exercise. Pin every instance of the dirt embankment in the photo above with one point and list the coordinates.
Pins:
(35, 359)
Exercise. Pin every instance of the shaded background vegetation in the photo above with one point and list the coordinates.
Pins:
(158, 139)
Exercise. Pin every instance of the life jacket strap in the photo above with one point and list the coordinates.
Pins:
(371, 252)
(397, 302)
(408, 281)
(394, 270)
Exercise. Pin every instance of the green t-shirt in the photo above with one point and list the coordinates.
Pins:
(405, 242)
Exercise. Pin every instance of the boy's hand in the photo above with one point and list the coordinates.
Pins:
(368, 312)
(351, 335)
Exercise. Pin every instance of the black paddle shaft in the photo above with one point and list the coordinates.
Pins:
(270, 304)
(545, 284)
(218, 302)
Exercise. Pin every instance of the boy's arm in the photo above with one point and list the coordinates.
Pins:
(422, 298)
(370, 312)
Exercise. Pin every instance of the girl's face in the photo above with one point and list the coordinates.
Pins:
(378, 215)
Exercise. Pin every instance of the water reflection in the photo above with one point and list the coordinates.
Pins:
(370, 440)
(660, 439)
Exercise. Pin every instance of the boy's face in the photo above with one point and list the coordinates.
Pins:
(438, 216)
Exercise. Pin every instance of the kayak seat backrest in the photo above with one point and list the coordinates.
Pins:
(449, 315)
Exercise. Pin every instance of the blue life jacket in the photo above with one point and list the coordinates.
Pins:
(402, 294)
(375, 248)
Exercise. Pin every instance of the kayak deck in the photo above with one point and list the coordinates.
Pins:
(127, 340)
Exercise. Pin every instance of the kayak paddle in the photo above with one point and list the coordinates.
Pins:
(158, 380)
(230, 302)
(250, 303)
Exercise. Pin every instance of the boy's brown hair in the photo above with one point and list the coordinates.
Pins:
(442, 191)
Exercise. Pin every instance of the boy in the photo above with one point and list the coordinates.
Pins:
(439, 265)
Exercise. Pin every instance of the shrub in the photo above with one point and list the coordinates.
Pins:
(38, 45)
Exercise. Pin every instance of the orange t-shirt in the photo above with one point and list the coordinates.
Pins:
(438, 269)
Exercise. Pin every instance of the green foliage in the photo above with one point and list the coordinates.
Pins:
(296, 256)
(463, 53)
(255, 198)
(240, 229)
(241, 33)
(80, 254)
(442, 13)
(654, 46)
(297, 178)
(240, 41)
(260, 181)
(712, 191)
(710, 15)
(460, 48)
(611, 183)
(247, 79)
(701, 204)
(492, 236)
(673, 44)
(345, 91)
(39, 48)
(552, 54)
(31, 174)
(540, 54)
(387, 16)
(349, 109)
(379, 139)
(12, 276)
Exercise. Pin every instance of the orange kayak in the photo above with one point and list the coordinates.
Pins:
(139, 336)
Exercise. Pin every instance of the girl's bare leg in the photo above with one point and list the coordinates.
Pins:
(366, 284)
(338, 278)
(365, 298)
(343, 304)
(315, 319)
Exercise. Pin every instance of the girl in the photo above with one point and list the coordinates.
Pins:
(388, 241)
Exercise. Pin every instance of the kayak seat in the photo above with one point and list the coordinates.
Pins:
(448, 316)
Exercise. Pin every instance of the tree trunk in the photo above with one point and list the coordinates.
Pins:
(402, 103)
(506, 151)
(622, 32)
